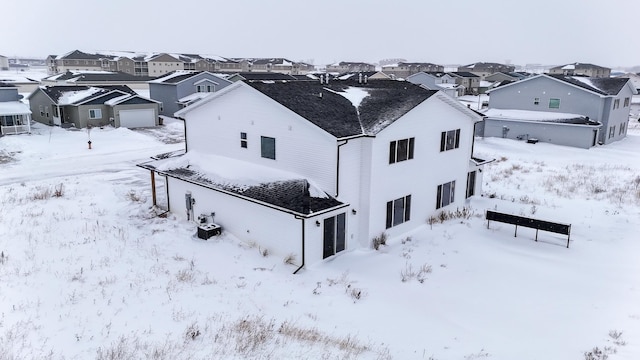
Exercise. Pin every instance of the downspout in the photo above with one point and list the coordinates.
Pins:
(184, 125)
(303, 245)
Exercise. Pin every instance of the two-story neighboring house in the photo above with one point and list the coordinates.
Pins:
(181, 88)
(81, 106)
(582, 69)
(469, 80)
(15, 116)
(349, 67)
(582, 106)
(402, 70)
(484, 69)
(312, 169)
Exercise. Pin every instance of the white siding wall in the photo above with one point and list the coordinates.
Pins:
(301, 147)
(429, 168)
(278, 232)
(355, 167)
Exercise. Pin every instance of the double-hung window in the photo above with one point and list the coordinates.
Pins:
(449, 140)
(616, 103)
(95, 114)
(401, 150)
(398, 211)
(612, 131)
(626, 102)
(445, 195)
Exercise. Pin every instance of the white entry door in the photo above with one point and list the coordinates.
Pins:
(137, 118)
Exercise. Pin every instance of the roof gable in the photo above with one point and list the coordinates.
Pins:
(333, 108)
(599, 86)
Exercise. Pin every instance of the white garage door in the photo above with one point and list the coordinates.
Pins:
(137, 118)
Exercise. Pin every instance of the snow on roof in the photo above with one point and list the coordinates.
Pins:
(484, 83)
(232, 173)
(13, 108)
(171, 75)
(70, 97)
(569, 67)
(530, 115)
(194, 96)
(585, 80)
(353, 94)
(448, 86)
(116, 100)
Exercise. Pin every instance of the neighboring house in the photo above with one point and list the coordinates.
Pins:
(349, 67)
(469, 80)
(501, 76)
(602, 100)
(582, 69)
(261, 76)
(402, 70)
(98, 78)
(82, 106)
(438, 81)
(635, 79)
(23, 83)
(173, 90)
(484, 69)
(15, 116)
(312, 169)
(364, 76)
(4, 63)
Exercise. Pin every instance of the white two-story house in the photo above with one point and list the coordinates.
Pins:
(310, 169)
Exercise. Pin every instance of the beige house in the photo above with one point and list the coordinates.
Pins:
(350, 67)
(402, 70)
(583, 69)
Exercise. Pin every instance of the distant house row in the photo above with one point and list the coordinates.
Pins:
(158, 64)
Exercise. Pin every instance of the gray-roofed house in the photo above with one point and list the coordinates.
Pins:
(402, 70)
(98, 78)
(175, 90)
(312, 169)
(566, 110)
(438, 81)
(15, 116)
(261, 76)
(81, 106)
(582, 69)
(484, 69)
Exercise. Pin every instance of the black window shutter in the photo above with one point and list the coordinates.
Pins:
(407, 208)
(392, 152)
(439, 197)
(443, 140)
(389, 213)
(457, 138)
(411, 146)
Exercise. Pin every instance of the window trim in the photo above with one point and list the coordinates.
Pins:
(440, 194)
(392, 216)
(395, 154)
(612, 131)
(97, 114)
(263, 143)
(553, 101)
(445, 144)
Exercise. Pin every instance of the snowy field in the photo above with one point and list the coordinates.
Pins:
(87, 271)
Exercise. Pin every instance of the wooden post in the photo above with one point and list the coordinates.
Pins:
(153, 187)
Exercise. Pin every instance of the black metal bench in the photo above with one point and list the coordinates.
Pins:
(558, 228)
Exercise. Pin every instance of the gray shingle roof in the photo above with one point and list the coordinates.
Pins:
(56, 92)
(290, 194)
(602, 86)
(323, 105)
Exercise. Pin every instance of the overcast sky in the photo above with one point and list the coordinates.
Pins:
(438, 31)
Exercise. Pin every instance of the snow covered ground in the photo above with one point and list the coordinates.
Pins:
(87, 270)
